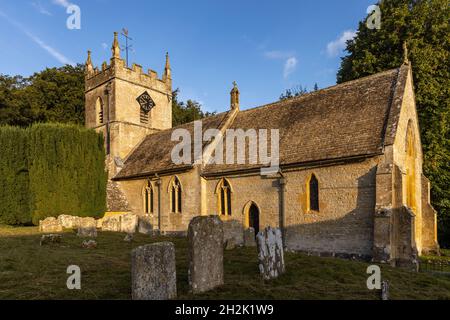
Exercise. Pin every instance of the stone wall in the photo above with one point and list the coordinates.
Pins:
(170, 222)
(347, 201)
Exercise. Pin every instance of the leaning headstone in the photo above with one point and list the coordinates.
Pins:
(50, 225)
(129, 223)
(89, 244)
(249, 237)
(153, 272)
(145, 225)
(87, 228)
(111, 224)
(270, 253)
(50, 239)
(205, 238)
(69, 222)
(385, 290)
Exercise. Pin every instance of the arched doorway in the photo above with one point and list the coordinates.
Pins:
(253, 218)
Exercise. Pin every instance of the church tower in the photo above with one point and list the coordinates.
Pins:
(126, 104)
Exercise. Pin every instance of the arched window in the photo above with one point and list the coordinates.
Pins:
(312, 198)
(148, 198)
(175, 190)
(99, 111)
(410, 168)
(223, 191)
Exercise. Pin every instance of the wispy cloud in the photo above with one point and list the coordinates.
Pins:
(40, 8)
(289, 58)
(52, 51)
(62, 3)
(289, 66)
(278, 54)
(104, 45)
(334, 48)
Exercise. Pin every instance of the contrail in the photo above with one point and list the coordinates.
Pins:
(52, 51)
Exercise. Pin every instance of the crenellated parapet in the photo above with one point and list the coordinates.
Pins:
(117, 68)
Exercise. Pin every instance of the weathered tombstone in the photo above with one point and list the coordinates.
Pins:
(87, 228)
(50, 225)
(153, 272)
(230, 245)
(385, 290)
(233, 230)
(249, 237)
(91, 244)
(145, 225)
(111, 224)
(270, 253)
(129, 237)
(50, 239)
(69, 222)
(129, 223)
(205, 238)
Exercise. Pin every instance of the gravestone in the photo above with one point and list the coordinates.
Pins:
(145, 225)
(111, 224)
(69, 222)
(50, 239)
(87, 228)
(270, 253)
(89, 244)
(129, 223)
(50, 225)
(385, 290)
(230, 245)
(249, 237)
(205, 238)
(153, 272)
(129, 237)
(233, 230)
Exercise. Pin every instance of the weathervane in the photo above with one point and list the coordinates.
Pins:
(127, 46)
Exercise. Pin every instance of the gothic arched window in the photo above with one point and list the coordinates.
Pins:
(223, 192)
(175, 190)
(148, 198)
(99, 111)
(312, 194)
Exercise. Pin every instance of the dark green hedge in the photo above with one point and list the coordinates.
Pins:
(65, 173)
(14, 179)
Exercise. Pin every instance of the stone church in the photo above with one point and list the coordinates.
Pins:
(350, 181)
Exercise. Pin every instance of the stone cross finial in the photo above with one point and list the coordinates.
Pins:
(235, 96)
(115, 47)
(405, 53)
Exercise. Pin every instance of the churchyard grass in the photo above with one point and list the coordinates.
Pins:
(29, 271)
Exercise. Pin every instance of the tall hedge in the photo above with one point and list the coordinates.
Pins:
(14, 178)
(62, 171)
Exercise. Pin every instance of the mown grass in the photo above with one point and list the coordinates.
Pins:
(28, 271)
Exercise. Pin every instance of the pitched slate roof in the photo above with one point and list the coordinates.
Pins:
(153, 155)
(356, 118)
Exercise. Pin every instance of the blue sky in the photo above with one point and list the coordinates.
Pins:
(266, 46)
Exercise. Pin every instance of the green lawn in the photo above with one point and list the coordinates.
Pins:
(28, 271)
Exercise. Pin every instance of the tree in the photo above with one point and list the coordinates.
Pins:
(293, 92)
(186, 112)
(424, 26)
(52, 95)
